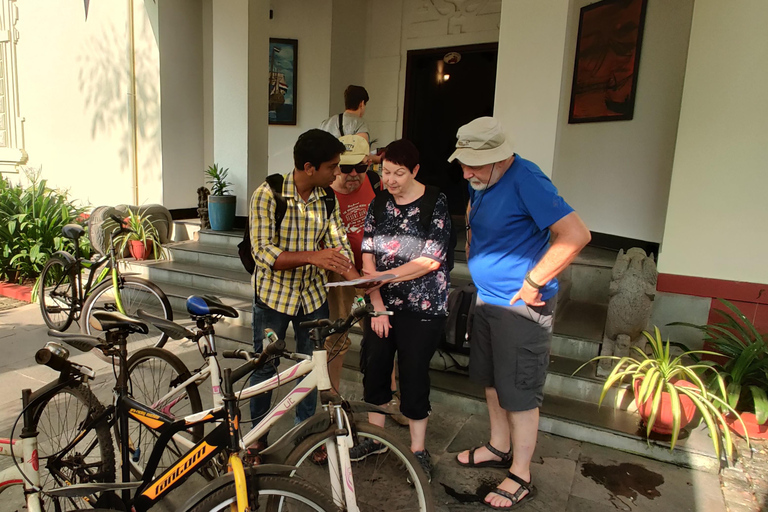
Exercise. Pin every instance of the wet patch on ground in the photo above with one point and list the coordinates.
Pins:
(627, 480)
(485, 486)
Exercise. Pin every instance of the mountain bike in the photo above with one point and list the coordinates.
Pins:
(65, 298)
(379, 482)
(267, 486)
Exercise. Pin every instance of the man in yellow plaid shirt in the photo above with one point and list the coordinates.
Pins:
(290, 276)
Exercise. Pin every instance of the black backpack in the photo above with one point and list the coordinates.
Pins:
(426, 210)
(275, 182)
(458, 326)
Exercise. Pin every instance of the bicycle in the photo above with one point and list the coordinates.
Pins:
(64, 297)
(245, 489)
(353, 487)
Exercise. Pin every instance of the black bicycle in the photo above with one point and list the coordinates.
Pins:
(65, 298)
(80, 468)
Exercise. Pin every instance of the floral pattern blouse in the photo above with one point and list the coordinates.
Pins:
(400, 238)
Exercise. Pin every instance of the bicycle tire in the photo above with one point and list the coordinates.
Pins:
(276, 493)
(92, 459)
(381, 481)
(135, 293)
(151, 374)
(56, 294)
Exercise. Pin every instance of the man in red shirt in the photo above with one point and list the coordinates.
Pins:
(354, 193)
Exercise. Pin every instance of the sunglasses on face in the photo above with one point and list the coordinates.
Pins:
(360, 168)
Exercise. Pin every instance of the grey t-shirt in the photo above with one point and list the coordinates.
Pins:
(352, 125)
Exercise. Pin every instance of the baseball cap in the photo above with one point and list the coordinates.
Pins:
(481, 142)
(357, 149)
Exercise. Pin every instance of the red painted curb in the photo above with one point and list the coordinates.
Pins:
(16, 291)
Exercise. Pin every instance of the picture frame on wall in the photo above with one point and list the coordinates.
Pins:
(607, 59)
(283, 69)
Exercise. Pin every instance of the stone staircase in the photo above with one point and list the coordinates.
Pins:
(210, 265)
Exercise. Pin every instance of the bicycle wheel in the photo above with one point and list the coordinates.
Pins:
(276, 494)
(381, 480)
(57, 294)
(58, 421)
(152, 373)
(135, 293)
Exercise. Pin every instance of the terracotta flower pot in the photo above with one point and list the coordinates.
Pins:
(754, 429)
(663, 423)
(139, 250)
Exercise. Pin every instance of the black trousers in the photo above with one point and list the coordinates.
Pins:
(414, 339)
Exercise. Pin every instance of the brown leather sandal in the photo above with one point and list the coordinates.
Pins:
(514, 497)
(506, 458)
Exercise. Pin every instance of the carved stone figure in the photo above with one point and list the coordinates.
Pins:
(202, 207)
(630, 299)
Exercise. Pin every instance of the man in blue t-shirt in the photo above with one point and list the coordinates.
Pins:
(520, 235)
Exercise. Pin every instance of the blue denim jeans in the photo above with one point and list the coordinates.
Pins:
(265, 317)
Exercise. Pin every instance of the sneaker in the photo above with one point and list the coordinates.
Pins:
(394, 408)
(364, 449)
(425, 461)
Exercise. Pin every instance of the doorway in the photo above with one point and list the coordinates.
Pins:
(446, 88)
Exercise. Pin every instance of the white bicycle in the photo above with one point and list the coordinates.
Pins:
(377, 483)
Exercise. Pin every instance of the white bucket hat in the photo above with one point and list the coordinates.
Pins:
(481, 142)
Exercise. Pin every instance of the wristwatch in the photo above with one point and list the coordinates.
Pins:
(531, 281)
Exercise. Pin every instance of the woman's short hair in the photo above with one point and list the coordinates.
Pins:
(316, 146)
(353, 95)
(402, 152)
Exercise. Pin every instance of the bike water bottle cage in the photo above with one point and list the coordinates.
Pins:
(198, 305)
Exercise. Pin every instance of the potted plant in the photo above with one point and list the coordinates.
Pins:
(668, 391)
(743, 366)
(221, 204)
(143, 238)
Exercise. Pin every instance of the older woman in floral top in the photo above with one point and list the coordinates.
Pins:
(396, 241)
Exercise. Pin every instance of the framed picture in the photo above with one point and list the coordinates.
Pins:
(282, 80)
(607, 60)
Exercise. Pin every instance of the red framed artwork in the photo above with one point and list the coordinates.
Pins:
(607, 60)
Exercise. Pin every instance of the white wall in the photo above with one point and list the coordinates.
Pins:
(528, 113)
(617, 174)
(181, 77)
(397, 26)
(348, 36)
(309, 21)
(74, 83)
(715, 224)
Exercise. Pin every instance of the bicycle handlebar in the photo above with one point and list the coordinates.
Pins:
(273, 349)
(61, 364)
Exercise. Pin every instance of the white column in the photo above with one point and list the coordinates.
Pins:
(529, 75)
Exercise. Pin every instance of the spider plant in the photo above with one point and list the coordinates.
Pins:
(143, 230)
(745, 369)
(661, 372)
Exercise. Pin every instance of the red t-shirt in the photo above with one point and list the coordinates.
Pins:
(353, 207)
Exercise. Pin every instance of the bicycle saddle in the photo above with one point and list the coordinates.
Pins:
(114, 321)
(73, 231)
(199, 305)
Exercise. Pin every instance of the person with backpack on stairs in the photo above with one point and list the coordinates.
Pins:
(296, 237)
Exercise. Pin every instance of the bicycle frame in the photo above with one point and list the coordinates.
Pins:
(314, 371)
(13, 476)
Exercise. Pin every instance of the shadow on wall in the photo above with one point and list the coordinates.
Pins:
(105, 79)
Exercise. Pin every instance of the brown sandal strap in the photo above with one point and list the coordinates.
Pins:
(523, 484)
(514, 498)
(503, 456)
(471, 459)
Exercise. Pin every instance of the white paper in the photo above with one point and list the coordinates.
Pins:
(362, 280)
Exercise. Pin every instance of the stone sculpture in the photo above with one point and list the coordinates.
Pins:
(630, 300)
(202, 207)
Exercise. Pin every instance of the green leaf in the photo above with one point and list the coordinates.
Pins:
(761, 404)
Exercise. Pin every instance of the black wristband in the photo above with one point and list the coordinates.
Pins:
(531, 281)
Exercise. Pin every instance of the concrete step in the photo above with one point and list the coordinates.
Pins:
(221, 238)
(206, 254)
(574, 419)
(200, 278)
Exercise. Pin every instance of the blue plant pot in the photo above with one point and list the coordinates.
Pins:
(221, 212)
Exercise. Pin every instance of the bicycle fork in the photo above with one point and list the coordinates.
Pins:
(342, 482)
